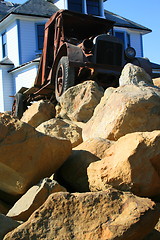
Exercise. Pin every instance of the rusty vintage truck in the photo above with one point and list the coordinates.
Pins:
(77, 47)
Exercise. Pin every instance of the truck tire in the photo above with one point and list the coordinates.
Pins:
(18, 106)
(65, 77)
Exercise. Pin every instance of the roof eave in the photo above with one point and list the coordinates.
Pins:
(145, 30)
(23, 14)
(6, 64)
(33, 15)
(24, 65)
(139, 27)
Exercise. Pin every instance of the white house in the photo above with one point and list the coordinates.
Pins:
(21, 38)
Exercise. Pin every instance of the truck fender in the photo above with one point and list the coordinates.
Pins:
(75, 54)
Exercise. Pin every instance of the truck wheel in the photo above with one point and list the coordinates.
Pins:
(65, 77)
(18, 106)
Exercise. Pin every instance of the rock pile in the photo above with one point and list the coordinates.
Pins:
(87, 168)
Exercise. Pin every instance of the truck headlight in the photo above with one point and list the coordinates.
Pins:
(130, 52)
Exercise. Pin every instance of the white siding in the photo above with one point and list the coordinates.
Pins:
(136, 43)
(61, 4)
(25, 77)
(12, 43)
(28, 38)
(9, 86)
(0, 47)
(8, 89)
(135, 40)
(28, 41)
(21, 40)
(1, 93)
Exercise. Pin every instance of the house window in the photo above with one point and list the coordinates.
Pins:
(76, 6)
(125, 37)
(121, 36)
(93, 7)
(40, 35)
(4, 45)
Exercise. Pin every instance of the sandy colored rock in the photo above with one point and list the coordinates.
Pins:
(33, 199)
(62, 128)
(128, 109)
(96, 146)
(109, 215)
(27, 156)
(39, 112)
(132, 74)
(131, 164)
(73, 173)
(156, 82)
(79, 102)
(6, 225)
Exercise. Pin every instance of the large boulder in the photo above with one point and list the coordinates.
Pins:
(79, 102)
(101, 215)
(131, 164)
(129, 108)
(39, 112)
(27, 156)
(33, 199)
(6, 225)
(73, 173)
(96, 146)
(62, 128)
(132, 74)
(156, 82)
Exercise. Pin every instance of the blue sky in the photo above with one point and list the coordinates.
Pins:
(144, 12)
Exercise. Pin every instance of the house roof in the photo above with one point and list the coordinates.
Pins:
(6, 7)
(123, 22)
(6, 61)
(42, 8)
(155, 65)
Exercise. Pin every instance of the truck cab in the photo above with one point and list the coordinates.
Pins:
(77, 47)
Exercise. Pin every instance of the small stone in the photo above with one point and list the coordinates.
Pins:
(33, 199)
(39, 112)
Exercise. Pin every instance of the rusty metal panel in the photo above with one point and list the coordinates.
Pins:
(61, 26)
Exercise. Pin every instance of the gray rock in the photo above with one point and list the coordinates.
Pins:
(132, 74)
(33, 199)
(6, 225)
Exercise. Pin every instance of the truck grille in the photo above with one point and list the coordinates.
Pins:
(109, 53)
